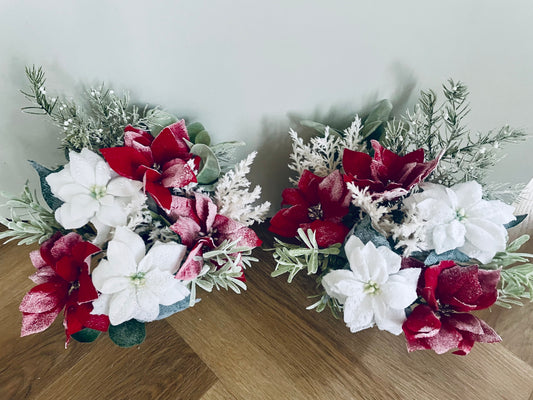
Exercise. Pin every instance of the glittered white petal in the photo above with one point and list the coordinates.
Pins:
(388, 319)
(122, 306)
(358, 313)
(133, 241)
(400, 289)
(123, 187)
(121, 258)
(340, 284)
(165, 256)
(82, 169)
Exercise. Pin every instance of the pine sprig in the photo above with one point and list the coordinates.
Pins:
(291, 258)
(96, 123)
(30, 222)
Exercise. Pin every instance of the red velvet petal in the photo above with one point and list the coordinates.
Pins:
(459, 287)
(139, 140)
(188, 230)
(229, 229)
(308, 185)
(38, 322)
(45, 274)
(489, 285)
(191, 268)
(334, 197)
(170, 144)
(45, 297)
(68, 269)
(448, 338)
(421, 323)
(182, 207)
(206, 211)
(428, 285)
(37, 260)
(152, 185)
(293, 196)
(125, 161)
(287, 221)
(176, 174)
(327, 233)
(356, 164)
(46, 249)
(64, 244)
(86, 291)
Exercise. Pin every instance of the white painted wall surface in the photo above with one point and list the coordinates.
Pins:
(241, 66)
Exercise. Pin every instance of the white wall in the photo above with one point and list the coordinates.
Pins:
(241, 66)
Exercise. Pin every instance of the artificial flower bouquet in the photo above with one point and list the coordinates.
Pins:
(394, 219)
(144, 211)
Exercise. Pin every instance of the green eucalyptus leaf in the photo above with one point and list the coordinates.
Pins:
(53, 202)
(158, 120)
(516, 221)
(86, 335)
(453, 255)
(317, 126)
(203, 137)
(194, 129)
(209, 167)
(379, 114)
(127, 334)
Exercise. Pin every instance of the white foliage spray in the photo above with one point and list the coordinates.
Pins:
(233, 198)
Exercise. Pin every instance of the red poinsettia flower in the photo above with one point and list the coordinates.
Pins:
(63, 282)
(318, 204)
(160, 163)
(429, 329)
(443, 323)
(387, 175)
(200, 227)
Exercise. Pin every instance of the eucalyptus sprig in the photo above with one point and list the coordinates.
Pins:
(291, 258)
(327, 301)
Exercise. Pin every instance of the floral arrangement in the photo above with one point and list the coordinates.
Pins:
(144, 211)
(393, 218)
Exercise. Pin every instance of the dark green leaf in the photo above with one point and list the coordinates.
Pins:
(127, 334)
(516, 221)
(86, 335)
(167, 311)
(379, 114)
(160, 119)
(317, 126)
(53, 202)
(367, 233)
(452, 255)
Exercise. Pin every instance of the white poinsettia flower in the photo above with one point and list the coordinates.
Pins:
(92, 192)
(458, 218)
(374, 290)
(133, 284)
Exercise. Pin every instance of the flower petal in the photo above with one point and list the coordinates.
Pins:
(164, 256)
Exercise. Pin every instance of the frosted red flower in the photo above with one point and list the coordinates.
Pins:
(160, 163)
(387, 175)
(200, 227)
(319, 204)
(63, 283)
(443, 323)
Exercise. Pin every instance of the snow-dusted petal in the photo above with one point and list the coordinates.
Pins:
(387, 318)
(495, 210)
(114, 215)
(484, 239)
(122, 306)
(147, 303)
(68, 191)
(341, 284)
(70, 220)
(448, 236)
(82, 169)
(468, 193)
(122, 258)
(358, 313)
(101, 305)
(133, 241)
(102, 173)
(123, 187)
(399, 291)
(165, 256)
(392, 261)
(59, 179)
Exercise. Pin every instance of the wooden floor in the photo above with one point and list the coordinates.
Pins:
(262, 344)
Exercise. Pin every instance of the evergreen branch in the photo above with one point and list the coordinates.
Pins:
(292, 258)
(327, 301)
(30, 222)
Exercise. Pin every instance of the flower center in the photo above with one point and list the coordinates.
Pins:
(315, 212)
(138, 278)
(460, 214)
(98, 191)
(371, 287)
(73, 286)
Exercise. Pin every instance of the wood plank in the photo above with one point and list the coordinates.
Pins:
(163, 367)
(218, 392)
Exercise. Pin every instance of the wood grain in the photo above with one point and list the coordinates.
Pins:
(261, 344)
